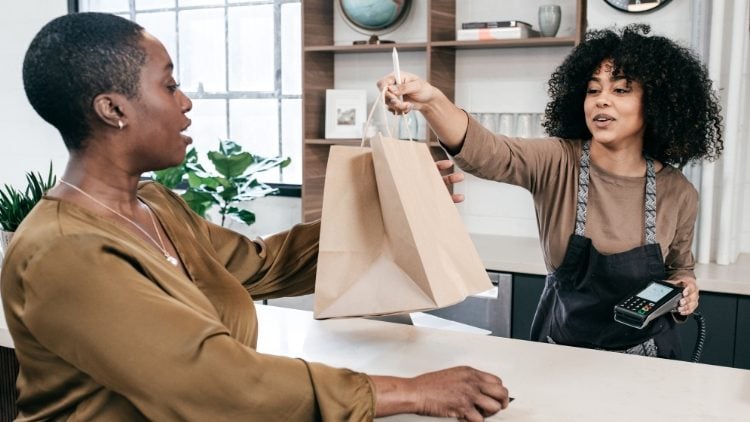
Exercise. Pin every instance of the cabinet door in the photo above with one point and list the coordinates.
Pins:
(526, 292)
(720, 313)
(742, 345)
(489, 311)
(8, 392)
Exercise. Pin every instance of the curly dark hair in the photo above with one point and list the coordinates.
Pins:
(680, 108)
(73, 59)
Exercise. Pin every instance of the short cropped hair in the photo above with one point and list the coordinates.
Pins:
(73, 59)
(681, 110)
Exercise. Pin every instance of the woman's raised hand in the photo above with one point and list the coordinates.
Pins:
(413, 94)
(445, 119)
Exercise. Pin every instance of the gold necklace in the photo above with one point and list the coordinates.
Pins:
(171, 259)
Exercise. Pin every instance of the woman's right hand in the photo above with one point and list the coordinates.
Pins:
(461, 392)
(416, 93)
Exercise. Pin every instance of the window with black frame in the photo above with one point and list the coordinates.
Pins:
(240, 63)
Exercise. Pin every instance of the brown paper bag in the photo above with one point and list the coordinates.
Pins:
(391, 238)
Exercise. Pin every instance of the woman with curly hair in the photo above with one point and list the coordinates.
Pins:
(614, 211)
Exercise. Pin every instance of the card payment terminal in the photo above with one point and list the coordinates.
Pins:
(643, 306)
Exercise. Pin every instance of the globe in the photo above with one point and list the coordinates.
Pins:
(374, 17)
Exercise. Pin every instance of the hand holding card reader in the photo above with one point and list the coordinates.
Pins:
(639, 309)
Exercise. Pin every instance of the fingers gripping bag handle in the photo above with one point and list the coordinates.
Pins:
(381, 100)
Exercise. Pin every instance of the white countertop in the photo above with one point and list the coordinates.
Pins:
(548, 382)
(524, 255)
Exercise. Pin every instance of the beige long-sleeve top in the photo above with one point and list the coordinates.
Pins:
(549, 169)
(106, 329)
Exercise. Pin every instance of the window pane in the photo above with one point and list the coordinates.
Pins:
(209, 125)
(153, 4)
(203, 36)
(184, 3)
(291, 139)
(104, 5)
(251, 49)
(254, 124)
(291, 53)
(162, 26)
(202, 51)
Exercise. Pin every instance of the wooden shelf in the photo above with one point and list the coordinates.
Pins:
(367, 48)
(319, 141)
(355, 142)
(458, 45)
(510, 43)
(440, 48)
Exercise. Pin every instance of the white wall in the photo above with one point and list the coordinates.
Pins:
(28, 142)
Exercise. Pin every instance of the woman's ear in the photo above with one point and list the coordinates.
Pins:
(109, 110)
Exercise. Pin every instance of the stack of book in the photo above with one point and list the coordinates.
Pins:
(495, 30)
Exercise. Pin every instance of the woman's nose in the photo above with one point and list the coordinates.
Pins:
(602, 101)
(187, 103)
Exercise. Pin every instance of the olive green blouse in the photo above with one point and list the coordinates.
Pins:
(106, 329)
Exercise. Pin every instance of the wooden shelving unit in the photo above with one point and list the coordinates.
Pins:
(318, 75)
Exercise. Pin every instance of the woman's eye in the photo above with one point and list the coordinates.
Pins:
(592, 90)
(173, 87)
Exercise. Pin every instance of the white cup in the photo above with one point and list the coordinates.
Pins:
(489, 120)
(506, 124)
(537, 131)
(549, 19)
(523, 125)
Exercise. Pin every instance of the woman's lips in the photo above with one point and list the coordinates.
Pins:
(603, 121)
(188, 140)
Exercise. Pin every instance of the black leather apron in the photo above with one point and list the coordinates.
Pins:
(576, 306)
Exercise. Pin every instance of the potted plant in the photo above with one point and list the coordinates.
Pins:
(15, 204)
(234, 181)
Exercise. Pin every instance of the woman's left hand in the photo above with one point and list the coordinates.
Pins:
(689, 301)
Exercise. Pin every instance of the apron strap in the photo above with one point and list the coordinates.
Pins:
(583, 189)
(583, 195)
(650, 202)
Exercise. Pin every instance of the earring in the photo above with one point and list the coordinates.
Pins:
(120, 125)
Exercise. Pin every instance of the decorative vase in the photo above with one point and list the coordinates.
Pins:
(549, 19)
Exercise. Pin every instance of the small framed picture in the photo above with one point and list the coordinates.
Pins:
(346, 111)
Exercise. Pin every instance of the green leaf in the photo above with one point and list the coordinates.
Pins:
(15, 205)
(231, 165)
(191, 156)
(228, 147)
(255, 192)
(229, 194)
(203, 180)
(263, 164)
(170, 177)
(245, 216)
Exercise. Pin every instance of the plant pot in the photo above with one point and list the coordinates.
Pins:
(4, 241)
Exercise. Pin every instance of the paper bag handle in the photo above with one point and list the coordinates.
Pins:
(381, 100)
